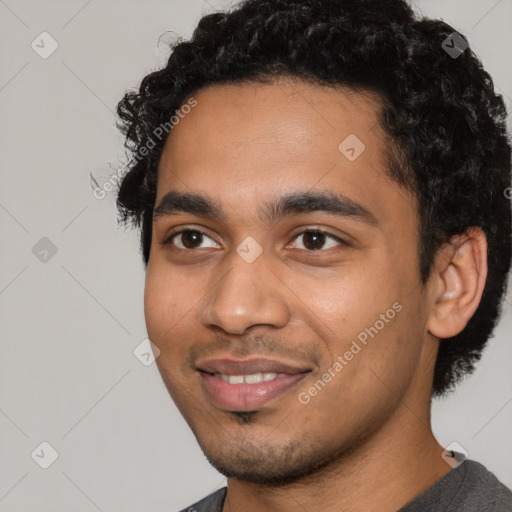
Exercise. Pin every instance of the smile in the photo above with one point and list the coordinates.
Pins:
(248, 392)
(252, 378)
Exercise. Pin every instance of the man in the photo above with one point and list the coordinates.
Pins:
(321, 187)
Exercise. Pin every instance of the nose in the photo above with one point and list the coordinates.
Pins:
(248, 294)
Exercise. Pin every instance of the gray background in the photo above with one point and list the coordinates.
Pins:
(69, 326)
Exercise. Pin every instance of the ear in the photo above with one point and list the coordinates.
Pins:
(458, 282)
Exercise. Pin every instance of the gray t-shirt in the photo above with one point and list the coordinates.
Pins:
(469, 487)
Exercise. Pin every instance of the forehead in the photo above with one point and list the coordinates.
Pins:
(246, 141)
(289, 117)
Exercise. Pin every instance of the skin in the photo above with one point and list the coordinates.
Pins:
(363, 442)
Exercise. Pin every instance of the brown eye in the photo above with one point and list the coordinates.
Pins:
(191, 238)
(313, 240)
(188, 239)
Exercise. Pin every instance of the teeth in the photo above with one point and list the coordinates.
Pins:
(253, 378)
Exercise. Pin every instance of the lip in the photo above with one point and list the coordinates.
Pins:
(247, 366)
(247, 397)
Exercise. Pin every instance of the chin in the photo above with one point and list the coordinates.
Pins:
(267, 464)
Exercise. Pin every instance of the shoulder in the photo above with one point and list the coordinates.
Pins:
(481, 490)
(469, 487)
(212, 503)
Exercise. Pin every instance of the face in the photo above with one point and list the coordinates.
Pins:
(282, 287)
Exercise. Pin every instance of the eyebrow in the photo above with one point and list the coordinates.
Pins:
(290, 204)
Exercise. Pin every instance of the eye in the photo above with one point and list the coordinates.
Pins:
(188, 239)
(314, 239)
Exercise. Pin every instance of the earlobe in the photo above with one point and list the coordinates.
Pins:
(459, 283)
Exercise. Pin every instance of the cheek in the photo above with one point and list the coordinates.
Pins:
(364, 318)
(348, 302)
(162, 304)
(165, 313)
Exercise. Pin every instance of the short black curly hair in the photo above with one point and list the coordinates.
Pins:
(441, 111)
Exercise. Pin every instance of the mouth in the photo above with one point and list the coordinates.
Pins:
(247, 385)
(251, 378)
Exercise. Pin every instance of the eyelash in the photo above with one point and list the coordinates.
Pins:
(168, 240)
